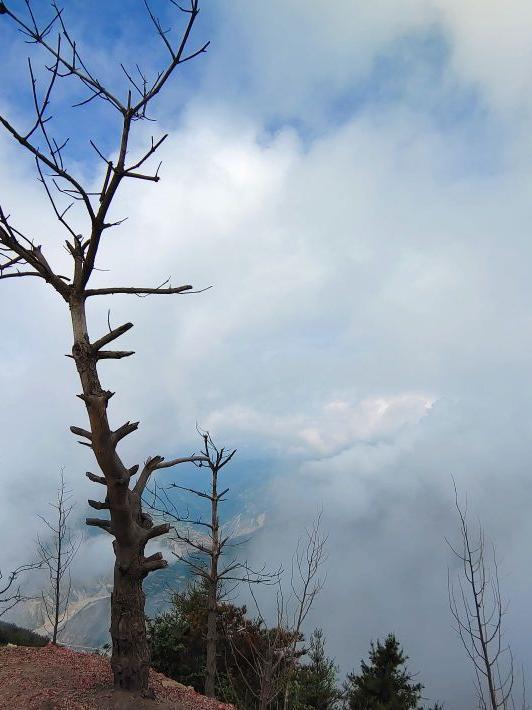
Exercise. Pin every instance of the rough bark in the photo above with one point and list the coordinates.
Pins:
(130, 528)
(131, 654)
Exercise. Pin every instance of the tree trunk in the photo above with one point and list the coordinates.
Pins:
(212, 600)
(265, 685)
(57, 590)
(210, 671)
(131, 654)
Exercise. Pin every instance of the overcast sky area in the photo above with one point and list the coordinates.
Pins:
(354, 180)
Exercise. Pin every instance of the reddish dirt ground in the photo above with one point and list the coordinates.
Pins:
(55, 678)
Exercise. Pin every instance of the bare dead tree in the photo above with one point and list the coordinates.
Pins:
(56, 555)
(206, 554)
(73, 203)
(478, 611)
(272, 655)
(11, 592)
(305, 583)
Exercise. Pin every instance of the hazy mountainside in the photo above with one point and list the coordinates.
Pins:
(89, 620)
(87, 611)
(88, 617)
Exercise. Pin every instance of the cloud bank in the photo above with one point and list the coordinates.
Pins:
(355, 186)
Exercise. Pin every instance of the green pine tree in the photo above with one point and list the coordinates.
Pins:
(315, 681)
(384, 683)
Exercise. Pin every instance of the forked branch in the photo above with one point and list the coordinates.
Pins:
(478, 610)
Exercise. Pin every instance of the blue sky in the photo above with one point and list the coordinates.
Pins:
(355, 183)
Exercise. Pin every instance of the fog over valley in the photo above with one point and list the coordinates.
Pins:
(359, 202)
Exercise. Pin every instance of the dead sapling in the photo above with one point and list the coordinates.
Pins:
(268, 664)
(207, 546)
(478, 611)
(56, 553)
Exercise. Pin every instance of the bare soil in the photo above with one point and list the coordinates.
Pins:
(57, 678)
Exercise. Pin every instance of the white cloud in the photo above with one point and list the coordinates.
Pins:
(327, 431)
(490, 46)
(298, 54)
(359, 276)
(296, 59)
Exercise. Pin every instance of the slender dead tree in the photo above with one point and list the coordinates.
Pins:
(21, 256)
(56, 555)
(305, 585)
(273, 654)
(205, 554)
(477, 608)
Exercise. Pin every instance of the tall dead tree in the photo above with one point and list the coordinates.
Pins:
(204, 553)
(477, 608)
(56, 555)
(22, 256)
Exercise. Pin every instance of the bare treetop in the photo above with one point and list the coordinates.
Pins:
(20, 256)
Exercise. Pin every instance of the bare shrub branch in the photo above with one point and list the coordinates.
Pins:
(478, 610)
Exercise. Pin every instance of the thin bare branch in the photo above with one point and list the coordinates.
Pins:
(39, 37)
(478, 616)
(137, 291)
(109, 337)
